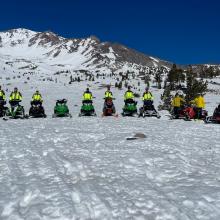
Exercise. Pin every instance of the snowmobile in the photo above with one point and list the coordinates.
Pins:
(109, 108)
(16, 110)
(188, 113)
(130, 108)
(212, 119)
(37, 110)
(185, 112)
(148, 110)
(3, 109)
(61, 109)
(87, 109)
(215, 118)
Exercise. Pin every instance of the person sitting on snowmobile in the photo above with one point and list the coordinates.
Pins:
(87, 96)
(199, 102)
(129, 96)
(37, 98)
(37, 110)
(177, 103)
(15, 97)
(148, 99)
(108, 93)
(2, 103)
(2, 96)
(108, 104)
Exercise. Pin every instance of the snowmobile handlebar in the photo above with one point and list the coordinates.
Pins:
(18, 101)
(109, 98)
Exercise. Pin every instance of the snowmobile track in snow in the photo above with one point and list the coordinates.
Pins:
(86, 169)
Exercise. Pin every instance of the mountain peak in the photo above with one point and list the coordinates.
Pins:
(49, 49)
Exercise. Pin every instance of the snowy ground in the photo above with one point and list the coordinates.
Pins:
(84, 168)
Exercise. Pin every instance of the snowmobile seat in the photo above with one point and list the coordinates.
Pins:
(36, 102)
(61, 101)
(14, 102)
(87, 101)
(130, 101)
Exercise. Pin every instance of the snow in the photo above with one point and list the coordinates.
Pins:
(85, 168)
(154, 59)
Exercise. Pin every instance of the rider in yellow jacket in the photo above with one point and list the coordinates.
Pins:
(199, 103)
(177, 103)
(87, 96)
(37, 97)
(147, 95)
(148, 100)
(129, 95)
(15, 96)
(2, 94)
(108, 93)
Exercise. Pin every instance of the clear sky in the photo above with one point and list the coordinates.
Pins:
(181, 31)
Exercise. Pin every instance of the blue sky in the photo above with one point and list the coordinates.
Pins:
(185, 32)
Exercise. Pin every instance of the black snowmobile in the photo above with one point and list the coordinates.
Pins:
(3, 109)
(37, 110)
(148, 110)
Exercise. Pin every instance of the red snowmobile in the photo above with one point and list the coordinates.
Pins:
(188, 113)
(109, 108)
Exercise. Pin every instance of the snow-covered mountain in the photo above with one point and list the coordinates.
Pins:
(45, 52)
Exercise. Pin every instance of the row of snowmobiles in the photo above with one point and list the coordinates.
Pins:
(16, 110)
(61, 109)
(147, 110)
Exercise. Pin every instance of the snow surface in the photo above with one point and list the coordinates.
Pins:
(85, 168)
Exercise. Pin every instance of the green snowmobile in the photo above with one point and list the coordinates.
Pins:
(130, 108)
(87, 109)
(16, 110)
(61, 109)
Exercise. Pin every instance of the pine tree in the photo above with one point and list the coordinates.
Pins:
(120, 85)
(194, 86)
(158, 78)
(166, 99)
(171, 77)
(147, 80)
